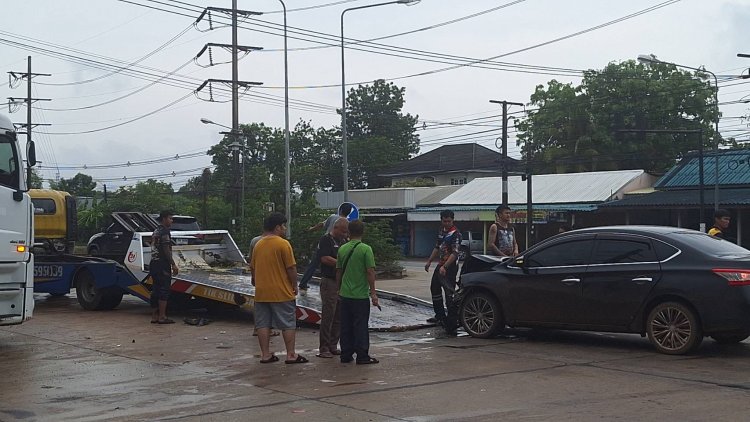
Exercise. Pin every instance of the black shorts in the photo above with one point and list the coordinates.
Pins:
(161, 275)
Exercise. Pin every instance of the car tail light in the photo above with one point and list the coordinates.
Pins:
(736, 277)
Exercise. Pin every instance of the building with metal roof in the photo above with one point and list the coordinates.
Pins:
(676, 200)
(455, 164)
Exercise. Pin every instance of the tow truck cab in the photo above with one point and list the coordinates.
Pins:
(55, 221)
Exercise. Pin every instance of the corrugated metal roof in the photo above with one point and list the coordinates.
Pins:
(734, 170)
(543, 207)
(436, 194)
(567, 188)
(683, 198)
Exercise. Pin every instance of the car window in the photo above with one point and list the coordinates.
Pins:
(478, 235)
(185, 224)
(8, 163)
(575, 252)
(663, 250)
(621, 251)
(43, 206)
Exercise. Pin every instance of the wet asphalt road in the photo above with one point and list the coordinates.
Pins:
(70, 364)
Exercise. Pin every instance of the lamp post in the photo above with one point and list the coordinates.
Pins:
(343, 88)
(650, 58)
(288, 158)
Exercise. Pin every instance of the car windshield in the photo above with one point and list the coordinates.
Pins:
(712, 246)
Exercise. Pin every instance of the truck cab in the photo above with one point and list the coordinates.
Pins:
(16, 230)
(55, 221)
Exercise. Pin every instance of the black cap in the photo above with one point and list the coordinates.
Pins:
(165, 213)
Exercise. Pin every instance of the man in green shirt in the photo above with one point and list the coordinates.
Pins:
(355, 273)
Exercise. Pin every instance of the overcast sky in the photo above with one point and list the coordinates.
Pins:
(689, 32)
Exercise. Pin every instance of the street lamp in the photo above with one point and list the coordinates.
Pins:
(650, 59)
(287, 174)
(211, 122)
(343, 88)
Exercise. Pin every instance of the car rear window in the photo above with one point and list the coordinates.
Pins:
(185, 224)
(711, 245)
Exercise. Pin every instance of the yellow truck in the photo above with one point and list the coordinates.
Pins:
(55, 221)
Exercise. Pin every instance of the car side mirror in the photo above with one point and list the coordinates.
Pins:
(520, 262)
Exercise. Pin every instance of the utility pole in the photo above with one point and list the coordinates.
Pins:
(28, 75)
(235, 84)
(504, 158)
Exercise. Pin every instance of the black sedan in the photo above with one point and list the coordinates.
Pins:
(674, 285)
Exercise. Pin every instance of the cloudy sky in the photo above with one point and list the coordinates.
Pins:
(105, 55)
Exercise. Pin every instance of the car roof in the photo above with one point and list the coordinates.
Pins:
(641, 229)
(174, 216)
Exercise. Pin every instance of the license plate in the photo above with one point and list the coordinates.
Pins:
(180, 241)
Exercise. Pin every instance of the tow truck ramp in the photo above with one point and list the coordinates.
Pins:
(211, 267)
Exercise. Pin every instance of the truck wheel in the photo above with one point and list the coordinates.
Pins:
(92, 298)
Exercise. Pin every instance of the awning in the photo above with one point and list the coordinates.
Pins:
(737, 197)
(382, 214)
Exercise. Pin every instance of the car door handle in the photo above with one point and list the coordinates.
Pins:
(642, 280)
(570, 281)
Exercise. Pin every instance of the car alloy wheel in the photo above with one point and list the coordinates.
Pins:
(673, 328)
(480, 315)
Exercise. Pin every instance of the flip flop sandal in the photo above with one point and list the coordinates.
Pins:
(165, 321)
(300, 359)
(369, 361)
(272, 359)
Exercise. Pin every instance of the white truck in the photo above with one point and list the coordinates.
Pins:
(16, 229)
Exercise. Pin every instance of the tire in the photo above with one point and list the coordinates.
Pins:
(729, 338)
(481, 315)
(673, 328)
(93, 299)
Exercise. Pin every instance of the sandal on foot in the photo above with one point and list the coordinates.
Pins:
(369, 361)
(272, 359)
(165, 321)
(300, 359)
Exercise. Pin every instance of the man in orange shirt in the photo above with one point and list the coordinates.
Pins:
(274, 271)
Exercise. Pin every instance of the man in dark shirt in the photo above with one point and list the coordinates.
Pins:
(161, 268)
(330, 322)
(444, 277)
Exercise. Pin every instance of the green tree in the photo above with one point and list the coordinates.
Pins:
(577, 128)
(150, 196)
(379, 235)
(36, 181)
(78, 185)
(379, 133)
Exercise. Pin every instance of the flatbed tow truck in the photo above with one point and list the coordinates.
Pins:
(212, 270)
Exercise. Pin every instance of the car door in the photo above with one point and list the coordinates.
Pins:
(118, 240)
(545, 288)
(623, 271)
